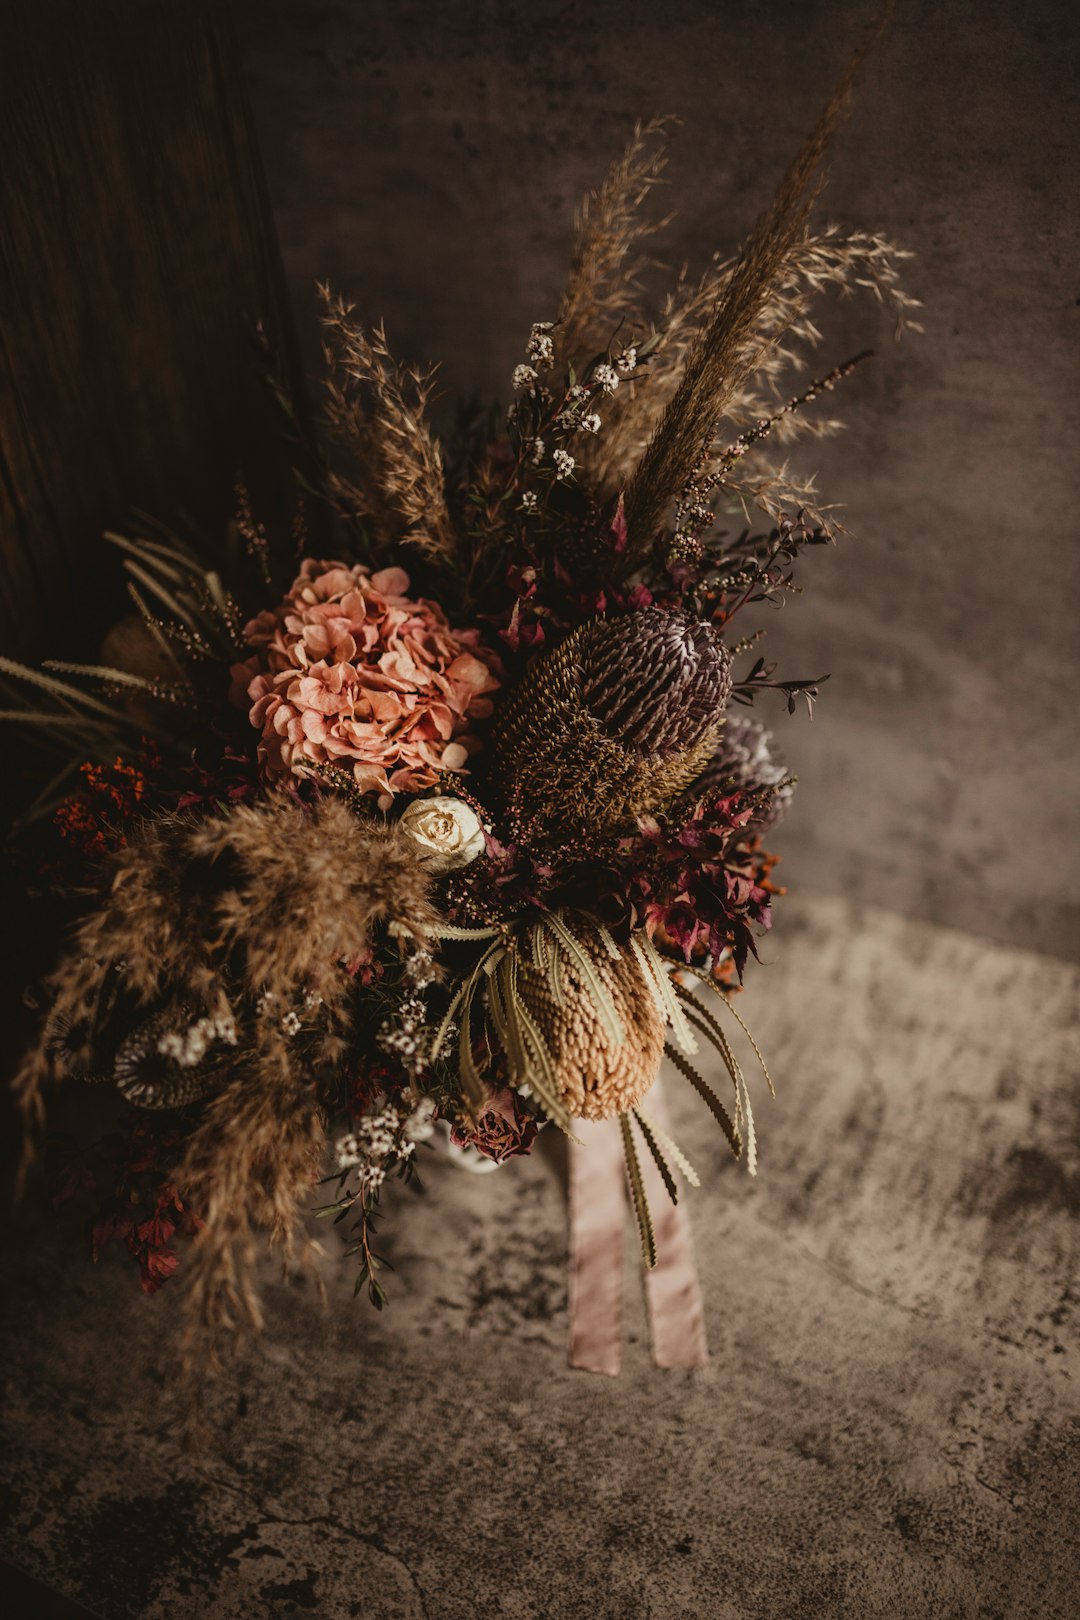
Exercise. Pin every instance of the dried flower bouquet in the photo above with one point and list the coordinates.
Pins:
(459, 824)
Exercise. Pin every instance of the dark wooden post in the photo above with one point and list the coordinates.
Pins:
(137, 253)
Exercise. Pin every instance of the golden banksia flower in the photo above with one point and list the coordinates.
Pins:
(577, 1017)
(616, 721)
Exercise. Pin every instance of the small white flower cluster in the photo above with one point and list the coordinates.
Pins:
(606, 378)
(420, 968)
(291, 1023)
(591, 422)
(379, 1140)
(187, 1047)
(627, 361)
(368, 1147)
(564, 464)
(420, 1125)
(402, 1037)
(541, 348)
(523, 377)
(529, 500)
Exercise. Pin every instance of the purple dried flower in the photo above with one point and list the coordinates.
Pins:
(746, 761)
(503, 1129)
(656, 680)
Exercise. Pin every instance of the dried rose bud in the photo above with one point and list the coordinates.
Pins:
(502, 1130)
(446, 831)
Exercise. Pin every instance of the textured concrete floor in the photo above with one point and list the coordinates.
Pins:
(888, 1427)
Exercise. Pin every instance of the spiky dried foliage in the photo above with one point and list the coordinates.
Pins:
(604, 288)
(158, 676)
(375, 410)
(724, 355)
(615, 721)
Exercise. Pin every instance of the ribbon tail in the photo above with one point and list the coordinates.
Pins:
(672, 1292)
(597, 1246)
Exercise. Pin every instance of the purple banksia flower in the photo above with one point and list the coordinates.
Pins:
(615, 722)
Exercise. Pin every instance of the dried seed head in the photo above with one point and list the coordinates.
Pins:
(617, 720)
(168, 1061)
(746, 761)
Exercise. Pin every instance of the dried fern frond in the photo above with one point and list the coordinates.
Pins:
(652, 1143)
(708, 1095)
(376, 409)
(604, 284)
(724, 356)
(670, 1147)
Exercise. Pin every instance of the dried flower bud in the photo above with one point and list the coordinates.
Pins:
(446, 831)
(503, 1128)
(657, 680)
(597, 1078)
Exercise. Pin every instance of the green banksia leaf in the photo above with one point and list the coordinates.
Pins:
(637, 1189)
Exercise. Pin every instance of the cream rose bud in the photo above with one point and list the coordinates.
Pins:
(446, 831)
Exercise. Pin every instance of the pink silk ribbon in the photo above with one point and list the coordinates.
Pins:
(598, 1215)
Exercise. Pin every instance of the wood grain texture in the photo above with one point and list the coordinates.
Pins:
(889, 1429)
(137, 253)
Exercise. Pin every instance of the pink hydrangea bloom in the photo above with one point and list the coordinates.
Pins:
(350, 671)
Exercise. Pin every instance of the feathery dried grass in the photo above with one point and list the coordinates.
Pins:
(376, 410)
(250, 916)
(604, 285)
(247, 1170)
(725, 354)
(776, 344)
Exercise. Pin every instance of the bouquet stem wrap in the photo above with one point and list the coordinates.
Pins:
(598, 1217)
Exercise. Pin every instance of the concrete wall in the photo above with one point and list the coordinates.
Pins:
(427, 159)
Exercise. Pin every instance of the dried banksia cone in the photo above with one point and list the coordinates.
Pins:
(618, 720)
(746, 761)
(588, 1000)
